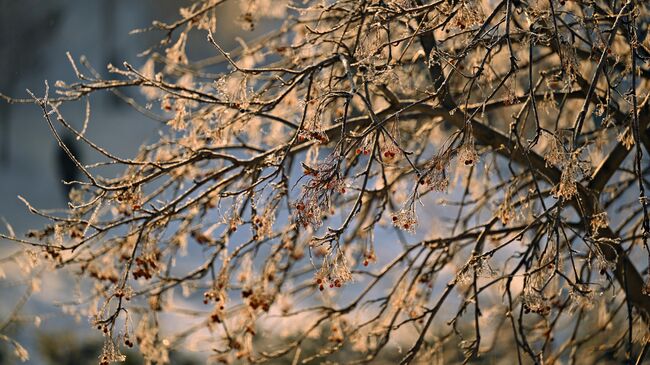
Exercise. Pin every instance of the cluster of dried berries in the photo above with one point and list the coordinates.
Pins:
(478, 266)
(387, 143)
(217, 314)
(533, 301)
(129, 200)
(506, 210)
(316, 196)
(598, 222)
(365, 150)
(110, 353)
(216, 295)
(312, 129)
(436, 176)
(466, 153)
(263, 226)
(389, 153)
(257, 299)
(627, 138)
(369, 257)
(569, 162)
(556, 154)
(147, 265)
(125, 293)
(247, 21)
(556, 82)
(573, 170)
(262, 220)
(365, 146)
(233, 219)
(334, 272)
(582, 297)
(406, 218)
(319, 136)
(468, 13)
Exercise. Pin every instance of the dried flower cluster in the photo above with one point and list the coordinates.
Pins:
(315, 201)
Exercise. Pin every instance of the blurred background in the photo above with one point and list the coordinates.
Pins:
(34, 38)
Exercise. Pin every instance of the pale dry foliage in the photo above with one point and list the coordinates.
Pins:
(448, 180)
